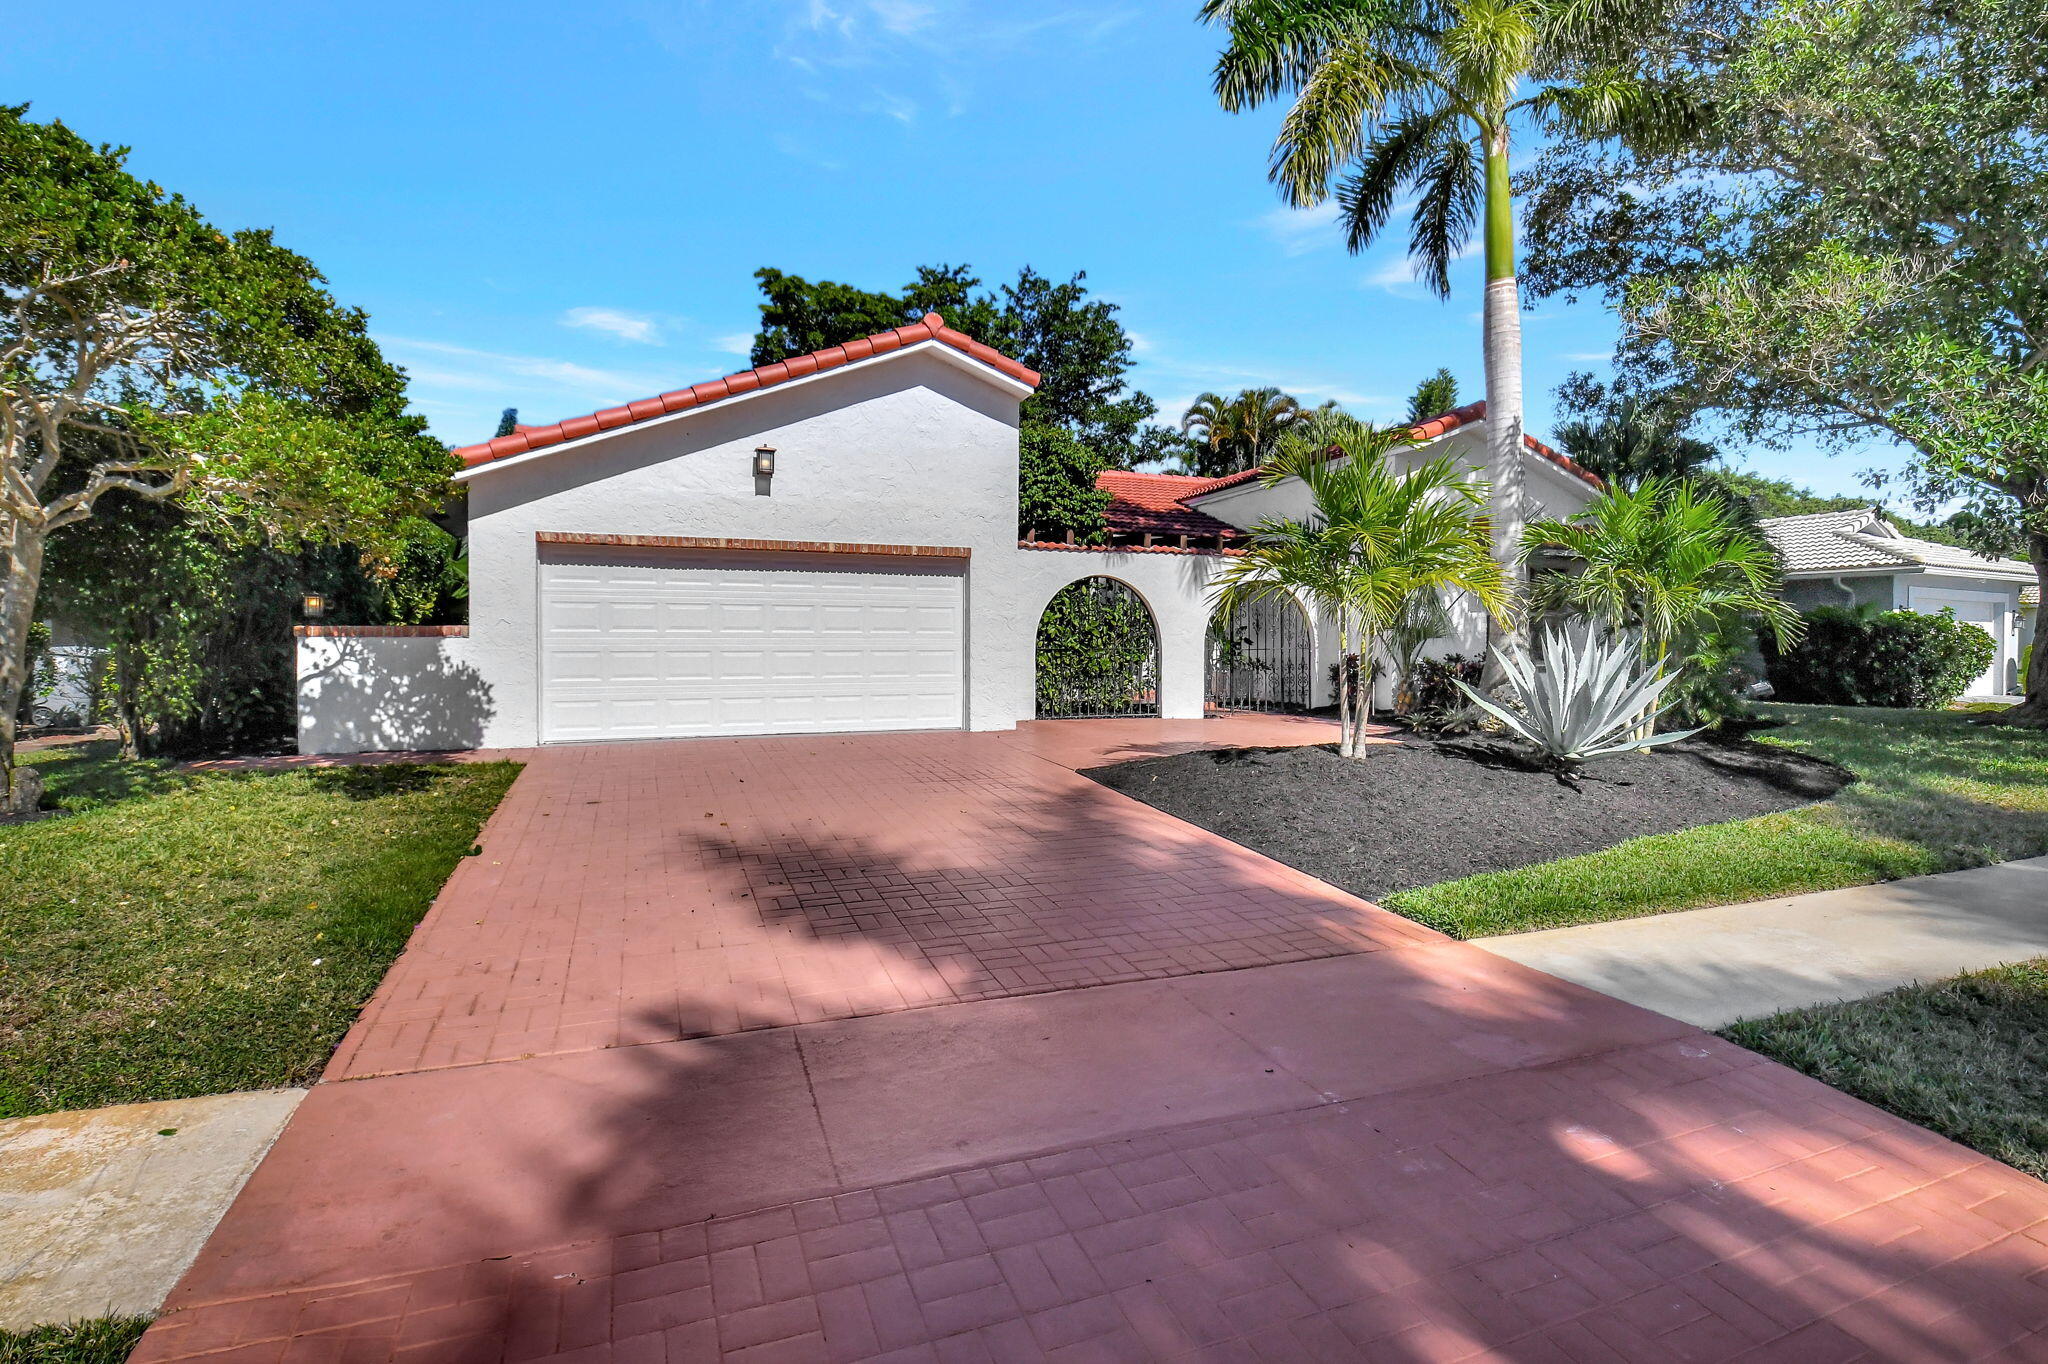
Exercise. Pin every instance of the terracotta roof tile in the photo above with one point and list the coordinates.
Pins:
(1155, 503)
(1438, 426)
(931, 327)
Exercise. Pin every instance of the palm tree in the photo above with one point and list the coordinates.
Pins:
(1631, 440)
(1399, 94)
(1665, 559)
(1238, 433)
(1374, 541)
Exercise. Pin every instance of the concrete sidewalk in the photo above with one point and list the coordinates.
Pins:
(1713, 966)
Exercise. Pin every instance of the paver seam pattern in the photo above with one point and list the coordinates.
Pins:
(761, 884)
(1699, 1203)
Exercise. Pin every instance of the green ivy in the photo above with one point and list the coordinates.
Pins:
(1097, 652)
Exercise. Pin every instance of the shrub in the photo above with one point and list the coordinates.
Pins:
(1435, 701)
(1868, 658)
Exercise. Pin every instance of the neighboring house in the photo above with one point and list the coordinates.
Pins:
(1857, 558)
(828, 543)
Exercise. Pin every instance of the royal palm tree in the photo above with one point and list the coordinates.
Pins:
(1390, 96)
(1373, 542)
(1664, 559)
(1238, 433)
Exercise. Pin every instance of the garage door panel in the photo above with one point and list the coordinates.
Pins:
(677, 646)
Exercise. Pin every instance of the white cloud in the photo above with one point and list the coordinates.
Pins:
(901, 16)
(1401, 274)
(735, 343)
(1297, 231)
(637, 328)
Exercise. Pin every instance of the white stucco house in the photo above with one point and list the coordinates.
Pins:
(828, 543)
(1857, 558)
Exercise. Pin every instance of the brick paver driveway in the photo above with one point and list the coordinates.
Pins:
(925, 1047)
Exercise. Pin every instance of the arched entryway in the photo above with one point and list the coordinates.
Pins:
(1098, 653)
(1260, 656)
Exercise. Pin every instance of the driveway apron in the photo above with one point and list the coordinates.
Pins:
(927, 1047)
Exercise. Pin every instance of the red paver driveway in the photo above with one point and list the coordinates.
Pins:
(1168, 1100)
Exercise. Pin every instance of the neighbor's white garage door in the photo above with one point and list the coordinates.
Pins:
(652, 645)
(1981, 609)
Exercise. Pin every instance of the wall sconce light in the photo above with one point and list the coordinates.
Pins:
(314, 605)
(764, 461)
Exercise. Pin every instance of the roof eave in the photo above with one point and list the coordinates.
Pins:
(1014, 387)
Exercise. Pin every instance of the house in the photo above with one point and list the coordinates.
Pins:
(1857, 558)
(828, 543)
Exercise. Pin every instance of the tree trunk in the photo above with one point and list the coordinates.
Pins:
(21, 577)
(2034, 710)
(1503, 351)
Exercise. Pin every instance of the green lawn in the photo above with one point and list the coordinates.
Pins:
(1937, 793)
(1967, 1057)
(183, 934)
(99, 1340)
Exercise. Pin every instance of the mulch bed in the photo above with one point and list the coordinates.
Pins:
(1418, 811)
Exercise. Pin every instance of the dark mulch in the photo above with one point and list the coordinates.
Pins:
(1418, 811)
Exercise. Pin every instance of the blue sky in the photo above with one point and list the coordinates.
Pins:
(560, 210)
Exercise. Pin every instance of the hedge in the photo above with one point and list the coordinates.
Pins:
(1891, 658)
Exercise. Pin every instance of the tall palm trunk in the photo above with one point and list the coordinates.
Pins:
(1503, 351)
(21, 575)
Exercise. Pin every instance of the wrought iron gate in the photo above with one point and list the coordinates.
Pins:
(1098, 653)
(1259, 656)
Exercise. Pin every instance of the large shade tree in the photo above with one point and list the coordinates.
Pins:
(146, 354)
(1373, 543)
(1850, 242)
(1395, 102)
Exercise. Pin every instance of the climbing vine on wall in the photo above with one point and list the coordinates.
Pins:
(1098, 652)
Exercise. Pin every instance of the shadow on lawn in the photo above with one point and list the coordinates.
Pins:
(1676, 1198)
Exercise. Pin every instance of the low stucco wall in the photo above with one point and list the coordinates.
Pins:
(377, 689)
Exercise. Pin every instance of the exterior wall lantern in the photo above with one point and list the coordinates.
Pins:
(313, 605)
(764, 461)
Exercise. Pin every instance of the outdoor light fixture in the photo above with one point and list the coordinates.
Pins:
(314, 605)
(764, 461)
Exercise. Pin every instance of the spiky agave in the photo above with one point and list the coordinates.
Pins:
(1587, 698)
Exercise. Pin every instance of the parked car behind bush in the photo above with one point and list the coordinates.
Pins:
(1869, 658)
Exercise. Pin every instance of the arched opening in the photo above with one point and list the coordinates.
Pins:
(1098, 653)
(1260, 656)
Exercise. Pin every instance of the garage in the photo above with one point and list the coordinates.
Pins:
(642, 644)
(1984, 610)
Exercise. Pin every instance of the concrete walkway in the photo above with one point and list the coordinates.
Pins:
(102, 1210)
(1711, 967)
(924, 1048)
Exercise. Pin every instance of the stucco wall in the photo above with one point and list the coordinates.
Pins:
(363, 694)
(910, 451)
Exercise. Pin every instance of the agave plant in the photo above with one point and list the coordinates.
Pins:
(1587, 699)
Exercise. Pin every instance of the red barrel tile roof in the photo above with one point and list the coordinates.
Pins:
(931, 327)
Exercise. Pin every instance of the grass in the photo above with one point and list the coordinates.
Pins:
(1938, 792)
(182, 933)
(1966, 1057)
(96, 1340)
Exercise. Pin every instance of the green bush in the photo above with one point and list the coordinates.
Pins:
(1891, 658)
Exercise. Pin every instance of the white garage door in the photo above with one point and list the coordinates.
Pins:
(1982, 610)
(646, 644)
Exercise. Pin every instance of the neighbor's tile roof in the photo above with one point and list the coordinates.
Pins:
(1836, 542)
(1449, 422)
(931, 327)
(1155, 503)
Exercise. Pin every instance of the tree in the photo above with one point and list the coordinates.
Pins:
(1851, 238)
(1394, 95)
(1056, 490)
(1433, 397)
(1663, 559)
(1374, 542)
(146, 354)
(1627, 439)
(508, 422)
(1236, 434)
(1081, 351)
